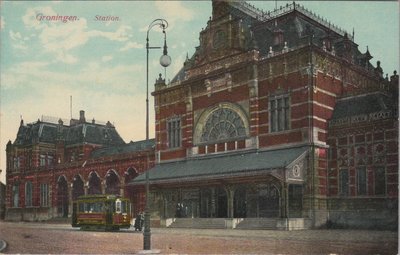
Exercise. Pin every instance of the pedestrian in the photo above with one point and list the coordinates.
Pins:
(141, 220)
(138, 223)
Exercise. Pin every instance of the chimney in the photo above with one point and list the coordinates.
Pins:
(82, 116)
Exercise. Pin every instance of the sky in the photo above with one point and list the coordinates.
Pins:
(55, 68)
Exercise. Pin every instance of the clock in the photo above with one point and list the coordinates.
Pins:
(296, 171)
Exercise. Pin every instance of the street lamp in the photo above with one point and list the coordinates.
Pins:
(165, 61)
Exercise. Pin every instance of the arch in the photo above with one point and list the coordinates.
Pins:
(225, 121)
(261, 200)
(62, 196)
(78, 187)
(112, 182)
(130, 174)
(94, 184)
(268, 201)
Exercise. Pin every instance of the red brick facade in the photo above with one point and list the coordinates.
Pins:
(317, 82)
(59, 170)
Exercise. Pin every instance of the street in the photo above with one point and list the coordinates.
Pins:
(40, 238)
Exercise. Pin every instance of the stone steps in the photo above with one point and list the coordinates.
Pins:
(258, 223)
(204, 223)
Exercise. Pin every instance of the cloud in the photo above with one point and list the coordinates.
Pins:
(15, 36)
(106, 58)
(174, 10)
(60, 38)
(120, 35)
(30, 19)
(2, 23)
(131, 45)
(37, 74)
(18, 41)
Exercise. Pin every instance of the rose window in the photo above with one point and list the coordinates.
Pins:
(223, 124)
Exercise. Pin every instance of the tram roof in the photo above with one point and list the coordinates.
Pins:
(221, 166)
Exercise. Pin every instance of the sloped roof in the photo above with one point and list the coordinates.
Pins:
(295, 22)
(221, 165)
(123, 149)
(362, 105)
(79, 133)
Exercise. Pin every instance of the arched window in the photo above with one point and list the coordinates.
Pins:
(112, 183)
(94, 184)
(15, 190)
(77, 187)
(28, 193)
(223, 124)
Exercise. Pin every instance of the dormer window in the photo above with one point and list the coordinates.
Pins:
(327, 44)
(42, 160)
(278, 37)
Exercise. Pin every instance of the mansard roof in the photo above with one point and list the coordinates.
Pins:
(364, 108)
(77, 133)
(364, 104)
(123, 149)
(298, 26)
(36, 132)
(92, 133)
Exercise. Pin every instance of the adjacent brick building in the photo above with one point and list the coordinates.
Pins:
(50, 163)
(278, 120)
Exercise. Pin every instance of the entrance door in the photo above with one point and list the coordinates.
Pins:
(62, 197)
(268, 201)
(222, 203)
(239, 203)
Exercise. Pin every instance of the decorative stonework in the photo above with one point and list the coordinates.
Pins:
(223, 63)
(218, 84)
(225, 121)
(361, 155)
(223, 124)
(379, 152)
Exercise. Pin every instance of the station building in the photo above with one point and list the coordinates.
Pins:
(276, 121)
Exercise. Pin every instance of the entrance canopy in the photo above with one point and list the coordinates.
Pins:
(274, 162)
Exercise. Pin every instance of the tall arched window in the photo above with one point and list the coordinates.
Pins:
(112, 183)
(15, 190)
(28, 193)
(77, 187)
(94, 184)
(223, 124)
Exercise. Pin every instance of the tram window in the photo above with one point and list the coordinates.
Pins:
(81, 207)
(124, 207)
(93, 207)
(118, 206)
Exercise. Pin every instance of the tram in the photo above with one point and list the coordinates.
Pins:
(101, 212)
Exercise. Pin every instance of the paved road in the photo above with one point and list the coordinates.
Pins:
(61, 238)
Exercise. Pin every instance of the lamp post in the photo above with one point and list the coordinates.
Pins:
(165, 61)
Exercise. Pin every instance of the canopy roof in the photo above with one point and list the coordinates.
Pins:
(221, 166)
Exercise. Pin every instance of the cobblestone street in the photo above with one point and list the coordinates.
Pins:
(61, 238)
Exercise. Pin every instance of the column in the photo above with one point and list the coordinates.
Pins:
(212, 202)
(70, 199)
(230, 192)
